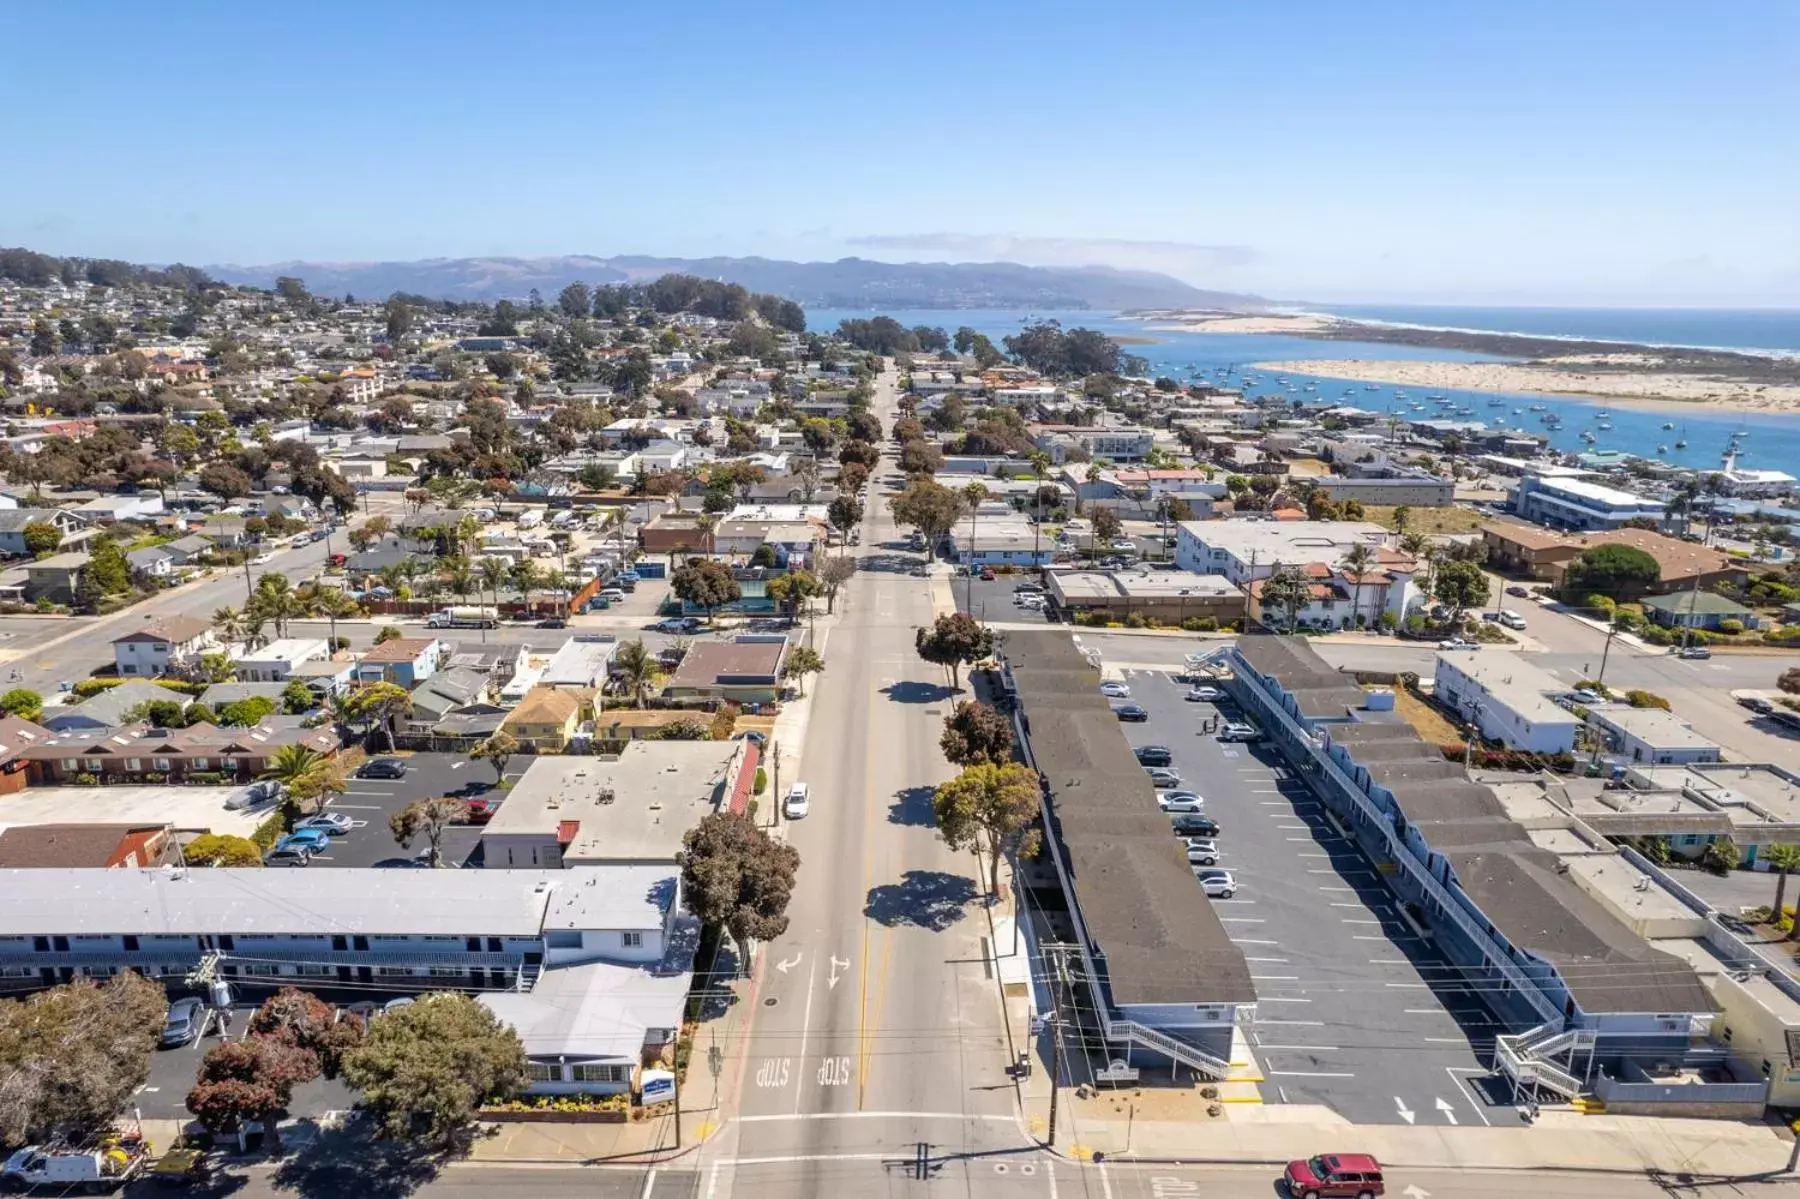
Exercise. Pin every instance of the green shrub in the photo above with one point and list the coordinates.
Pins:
(268, 832)
(84, 779)
(183, 686)
(1646, 699)
(90, 687)
(1134, 621)
(208, 778)
(762, 781)
(1731, 626)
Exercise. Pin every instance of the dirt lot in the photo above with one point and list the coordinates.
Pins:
(1427, 520)
(1426, 720)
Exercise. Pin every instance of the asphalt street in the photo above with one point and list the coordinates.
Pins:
(1354, 1010)
(877, 1175)
(875, 1025)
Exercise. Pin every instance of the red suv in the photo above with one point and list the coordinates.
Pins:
(1350, 1175)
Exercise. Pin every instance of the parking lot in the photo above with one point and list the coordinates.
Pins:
(993, 601)
(164, 1095)
(370, 802)
(1354, 1010)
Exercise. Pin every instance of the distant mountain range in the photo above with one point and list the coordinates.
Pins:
(846, 283)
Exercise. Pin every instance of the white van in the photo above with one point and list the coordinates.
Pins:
(1511, 619)
(797, 803)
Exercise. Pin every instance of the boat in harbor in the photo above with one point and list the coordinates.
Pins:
(1588, 437)
(1539, 408)
(1667, 425)
(1662, 449)
(1371, 387)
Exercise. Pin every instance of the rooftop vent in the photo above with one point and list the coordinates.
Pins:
(607, 795)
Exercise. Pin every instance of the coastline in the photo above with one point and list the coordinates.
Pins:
(1241, 322)
(1622, 381)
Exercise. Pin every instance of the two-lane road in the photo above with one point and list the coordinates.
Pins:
(876, 1025)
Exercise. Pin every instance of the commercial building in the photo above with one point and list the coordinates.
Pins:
(1002, 539)
(276, 661)
(1168, 982)
(1651, 735)
(1169, 596)
(1417, 489)
(1243, 550)
(1508, 699)
(630, 809)
(609, 945)
(1583, 997)
(1580, 504)
(1546, 554)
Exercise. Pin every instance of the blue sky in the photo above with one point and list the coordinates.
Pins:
(1588, 152)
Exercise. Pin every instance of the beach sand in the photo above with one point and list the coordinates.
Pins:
(1237, 322)
(1641, 387)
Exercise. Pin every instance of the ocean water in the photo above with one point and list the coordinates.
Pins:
(1769, 441)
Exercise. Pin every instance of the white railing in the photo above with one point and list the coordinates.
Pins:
(1174, 1047)
(1524, 1057)
(1398, 851)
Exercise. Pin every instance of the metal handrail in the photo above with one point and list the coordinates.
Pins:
(1174, 1047)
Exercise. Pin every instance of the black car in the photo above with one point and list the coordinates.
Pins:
(382, 768)
(1155, 755)
(553, 622)
(1192, 824)
(1131, 712)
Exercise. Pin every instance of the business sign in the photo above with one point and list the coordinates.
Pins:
(656, 1086)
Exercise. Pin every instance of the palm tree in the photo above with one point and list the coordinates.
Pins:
(638, 668)
(1356, 564)
(462, 578)
(334, 606)
(1782, 859)
(306, 777)
(229, 624)
(973, 494)
(493, 573)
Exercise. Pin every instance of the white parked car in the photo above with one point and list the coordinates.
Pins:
(1234, 731)
(798, 802)
(1180, 802)
(1204, 695)
(1115, 690)
(1202, 851)
(1217, 883)
(1455, 643)
(262, 559)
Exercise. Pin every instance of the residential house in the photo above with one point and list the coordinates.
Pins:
(107, 709)
(13, 522)
(581, 662)
(154, 563)
(162, 644)
(108, 509)
(1695, 609)
(547, 718)
(450, 690)
(220, 694)
(55, 578)
(676, 532)
(276, 661)
(101, 846)
(17, 735)
(407, 661)
(746, 669)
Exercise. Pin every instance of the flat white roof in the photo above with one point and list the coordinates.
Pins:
(266, 903)
(632, 808)
(1598, 493)
(1653, 726)
(1114, 584)
(1291, 542)
(1512, 681)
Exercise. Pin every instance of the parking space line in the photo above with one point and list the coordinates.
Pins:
(1390, 961)
(1279, 961)
(1243, 919)
(1368, 937)
(1252, 941)
(1424, 1011)
(356, 807)
(1287, 827)
(1300, 1048)
(1346, 890)
(1281, 999)
(1275, 978)
(1341, 904)
(1409, 986)
(1309, 855)
(1447, 1040)
(1272, 803)
(1306, 1074)
(1293, 1023)
(1358, 920)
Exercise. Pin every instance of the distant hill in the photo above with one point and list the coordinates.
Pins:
(846, 283)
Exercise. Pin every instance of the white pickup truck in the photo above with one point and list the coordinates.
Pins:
(106, 1167)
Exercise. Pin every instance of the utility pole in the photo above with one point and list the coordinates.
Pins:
(1612, 630)
(677, 1113)
(775, 793)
